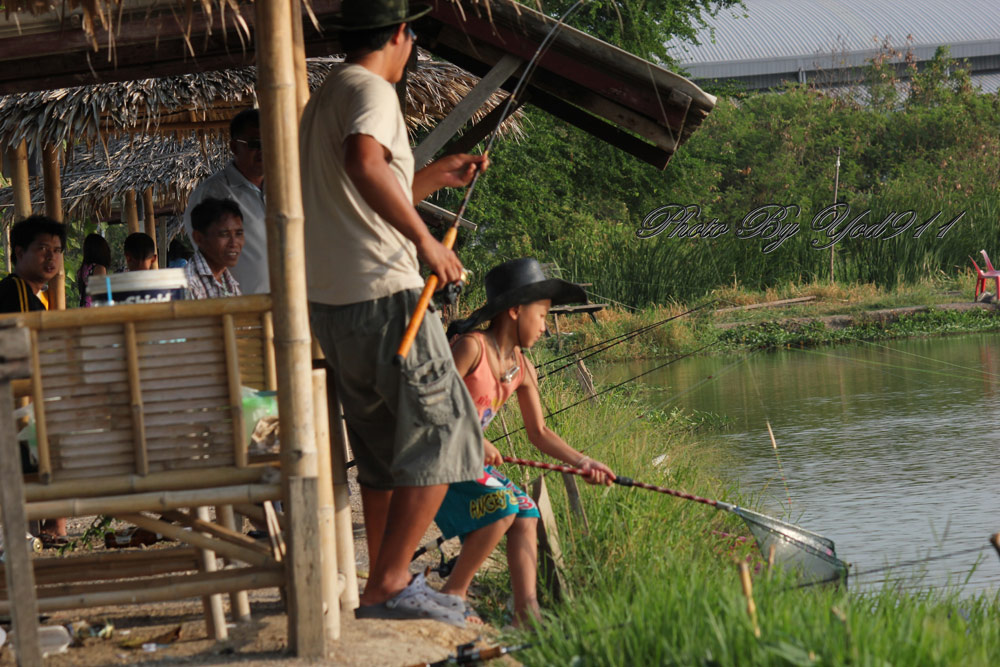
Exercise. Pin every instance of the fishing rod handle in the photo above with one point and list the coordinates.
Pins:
(417, 318)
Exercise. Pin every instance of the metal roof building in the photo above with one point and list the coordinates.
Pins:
(828, 42)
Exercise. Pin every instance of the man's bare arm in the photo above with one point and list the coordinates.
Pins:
(367, 167)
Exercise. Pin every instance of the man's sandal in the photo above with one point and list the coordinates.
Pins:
(412, 603)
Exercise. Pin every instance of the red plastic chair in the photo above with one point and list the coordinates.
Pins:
(983, 276)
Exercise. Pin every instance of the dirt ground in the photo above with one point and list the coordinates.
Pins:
(178, 630)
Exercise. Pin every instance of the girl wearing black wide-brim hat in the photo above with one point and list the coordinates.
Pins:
(518, 298)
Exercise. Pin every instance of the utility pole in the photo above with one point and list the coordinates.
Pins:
(836, 186)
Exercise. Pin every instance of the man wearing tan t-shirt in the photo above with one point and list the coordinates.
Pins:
(413, 429)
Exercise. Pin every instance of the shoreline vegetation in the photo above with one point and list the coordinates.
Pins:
(835, 314)
(655, 581)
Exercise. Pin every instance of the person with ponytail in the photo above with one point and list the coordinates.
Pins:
(493, 366)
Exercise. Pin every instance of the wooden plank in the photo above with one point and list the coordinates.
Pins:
(164, 589)
(465, 109)
(209, 416)
(156, 501)
(549, 551)
(211, 391)
(74, 420)
(181, 407)
(93, 474)
(71, 391)
(203, 346)
(216, 530)
(220, 430)
(138, 419)
(94, 438)
(240, 443)
(20, 575)
(159, 481)
(58, 383)
(150, 386)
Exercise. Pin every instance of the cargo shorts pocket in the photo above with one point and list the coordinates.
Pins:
(430, 386)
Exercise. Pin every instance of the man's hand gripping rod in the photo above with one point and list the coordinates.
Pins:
(449, 238)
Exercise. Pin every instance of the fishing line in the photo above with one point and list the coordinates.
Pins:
(553, 413)
(953, 376)
(770, 432)
(628, 335)
(908, 563)
(922, 357)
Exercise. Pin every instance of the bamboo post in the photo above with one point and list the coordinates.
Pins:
(235, 392)
(41, 426)
(327, 534)
(131, 212)
(239, 603)
(349, 597)
(299, 58)
(20, 574)
(215, 613)
(18, 157)
(135, 389)
(150, 220)
(270, 366)
(53, 209)
(276, 88)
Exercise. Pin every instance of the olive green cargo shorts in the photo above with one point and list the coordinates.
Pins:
(409, 425)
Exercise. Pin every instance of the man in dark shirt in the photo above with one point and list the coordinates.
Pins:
(37, 243)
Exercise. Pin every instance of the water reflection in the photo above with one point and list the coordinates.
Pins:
(890, 450)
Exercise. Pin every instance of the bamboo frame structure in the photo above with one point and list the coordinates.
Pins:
(54, 209)
(286, 254)
(131, 212)
(149, 219)
(165, 588)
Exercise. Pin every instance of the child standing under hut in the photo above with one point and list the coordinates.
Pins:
(518, 298)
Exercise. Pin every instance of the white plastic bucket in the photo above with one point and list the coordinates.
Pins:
(155, 286)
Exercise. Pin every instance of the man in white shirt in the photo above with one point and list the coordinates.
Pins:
(414, 428)
(242, 181)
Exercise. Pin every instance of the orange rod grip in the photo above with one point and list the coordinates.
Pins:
(425, 298)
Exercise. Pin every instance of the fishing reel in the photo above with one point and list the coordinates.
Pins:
(450, 293)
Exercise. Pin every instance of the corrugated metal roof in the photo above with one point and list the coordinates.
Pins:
(812, 30)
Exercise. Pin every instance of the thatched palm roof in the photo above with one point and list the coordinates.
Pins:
(125, 137)
(208, 100)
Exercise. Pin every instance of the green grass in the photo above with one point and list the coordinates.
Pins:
(655, 584)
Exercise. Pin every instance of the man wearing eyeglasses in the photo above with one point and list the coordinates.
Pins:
(38, 243)
(242, 181)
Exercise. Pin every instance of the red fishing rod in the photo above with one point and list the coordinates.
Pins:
(812, 554)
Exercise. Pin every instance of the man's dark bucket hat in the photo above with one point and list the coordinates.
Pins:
(518, 282)
(373, 14)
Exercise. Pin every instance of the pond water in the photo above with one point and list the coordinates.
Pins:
(892, 450)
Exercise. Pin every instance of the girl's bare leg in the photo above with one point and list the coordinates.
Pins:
(476, 548)
(522, 560)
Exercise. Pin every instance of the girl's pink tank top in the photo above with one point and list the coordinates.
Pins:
(487, 391)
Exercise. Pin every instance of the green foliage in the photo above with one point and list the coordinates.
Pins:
(565, 197)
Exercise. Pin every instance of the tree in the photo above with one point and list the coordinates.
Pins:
(642, 27)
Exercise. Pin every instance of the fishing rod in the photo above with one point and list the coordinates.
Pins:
(811, 553)
(449, 238)
(468, 654)
(606, 390)
(628, 335)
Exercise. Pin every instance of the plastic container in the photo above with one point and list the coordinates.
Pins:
(154, 286)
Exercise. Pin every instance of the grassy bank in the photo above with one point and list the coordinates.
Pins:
(794, 325)
(654, 582)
